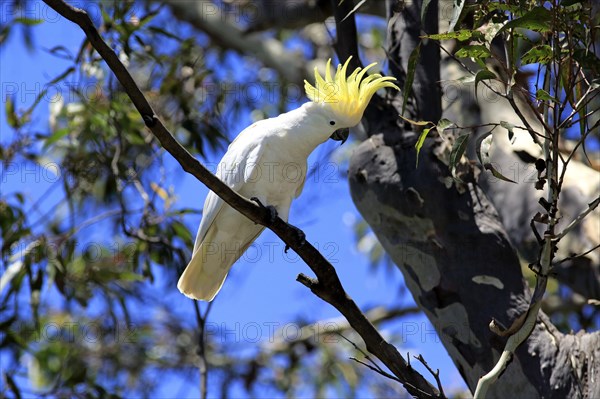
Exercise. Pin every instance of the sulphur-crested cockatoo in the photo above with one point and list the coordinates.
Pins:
(268, 162)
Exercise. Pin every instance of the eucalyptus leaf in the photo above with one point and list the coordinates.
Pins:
(458, 149)
(484, 74)
(413, 60)
(538, 19)
(420, 142)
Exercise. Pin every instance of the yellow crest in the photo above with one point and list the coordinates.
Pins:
(347, 96)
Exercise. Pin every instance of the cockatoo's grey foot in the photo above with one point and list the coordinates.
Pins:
(299, 237)
(270, 208)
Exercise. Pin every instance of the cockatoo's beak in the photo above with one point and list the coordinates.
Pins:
(340, 135)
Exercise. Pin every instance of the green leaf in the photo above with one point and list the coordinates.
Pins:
(28, 21)
(484, 144)
(424, 7)
(444, 124)
(457, 6)
(482, 148)
(413, 60)
(473, 51)
(508, 126)
(538, 19)
(538, 54)
(489, 32)
(587, 59)
(182, 231)
(61, 52)
(460, 35)
(458, 149)
(130, 276)
(420, 142)
(417, 123)
(163, 32)
(57, 135)
(543, 95)
(9, 108)
(484, 74)
(497, 174)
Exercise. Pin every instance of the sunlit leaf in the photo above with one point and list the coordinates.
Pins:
(538, 54)
(420, 142)
(543, 95)
(473, 51)
(460, 35)
(417, 123)
(54, 137)
(538, 19)
(9, 108)
(28, 21)
(444, 124)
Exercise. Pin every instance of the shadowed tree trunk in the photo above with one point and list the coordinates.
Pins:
(449, 243)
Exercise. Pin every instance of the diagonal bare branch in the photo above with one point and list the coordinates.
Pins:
(328, 286)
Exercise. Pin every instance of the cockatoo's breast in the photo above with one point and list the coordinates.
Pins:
(278, 175)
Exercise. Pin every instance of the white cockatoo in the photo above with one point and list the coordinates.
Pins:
(267, 162)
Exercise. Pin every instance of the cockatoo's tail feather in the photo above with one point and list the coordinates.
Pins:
(203, 277)
(349, 96)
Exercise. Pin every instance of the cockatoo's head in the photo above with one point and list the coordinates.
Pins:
(346, 98)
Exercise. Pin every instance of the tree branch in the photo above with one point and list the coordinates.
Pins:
(328, 285)
(591, 206)
(270, 51)
(297, 14)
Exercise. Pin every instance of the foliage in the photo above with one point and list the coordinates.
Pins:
(71, 297)
(497, 45)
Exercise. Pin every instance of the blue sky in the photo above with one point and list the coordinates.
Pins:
(262, 288)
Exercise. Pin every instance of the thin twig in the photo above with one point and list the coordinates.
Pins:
(581, 255)
(376, 369)
(203, 363)
(591, 206)
(521, 332)
(435, 374)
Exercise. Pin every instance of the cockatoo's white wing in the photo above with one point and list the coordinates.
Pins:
(235, 168)
(221, 226)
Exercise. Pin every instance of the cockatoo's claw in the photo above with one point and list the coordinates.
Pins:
(270, 208)
(300, 237)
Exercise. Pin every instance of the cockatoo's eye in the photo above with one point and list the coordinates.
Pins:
(332, 123)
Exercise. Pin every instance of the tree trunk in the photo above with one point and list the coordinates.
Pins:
(449, 242)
